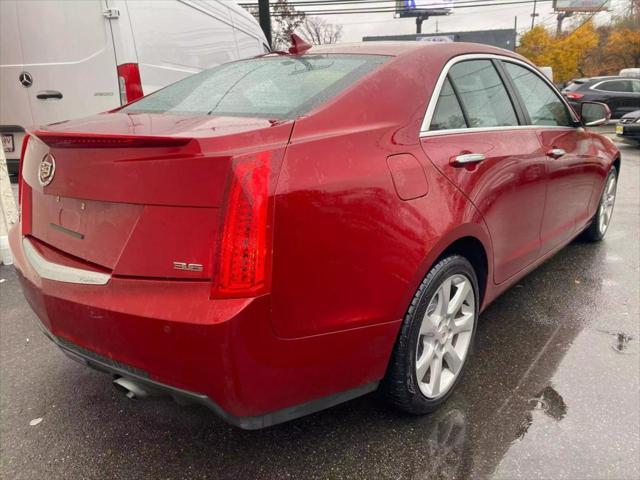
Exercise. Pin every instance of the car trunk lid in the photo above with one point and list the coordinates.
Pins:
(144, 196)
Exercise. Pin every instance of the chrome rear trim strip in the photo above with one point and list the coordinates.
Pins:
(61, 273)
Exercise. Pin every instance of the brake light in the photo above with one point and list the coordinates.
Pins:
(129, 82)
(575, 95)
(95, 140)
(243, 261)
(20, 163)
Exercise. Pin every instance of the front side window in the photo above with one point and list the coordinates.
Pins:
(482, 94)
(448, 113)
(541, 102)
(635, 86)
(277, 87)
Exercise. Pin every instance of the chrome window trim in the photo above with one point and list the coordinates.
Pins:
(454, 131)
(593, 87)
(428, 116)
(61, 273)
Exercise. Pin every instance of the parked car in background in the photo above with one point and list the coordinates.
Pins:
(630, 72)
(62, 60)
(628, 127)
(264, 239)
(621, 94)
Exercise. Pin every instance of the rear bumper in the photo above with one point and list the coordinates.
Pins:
(220, 353)
(13, 165)
(117, 369)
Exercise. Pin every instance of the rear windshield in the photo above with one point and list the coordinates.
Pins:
(272, 87)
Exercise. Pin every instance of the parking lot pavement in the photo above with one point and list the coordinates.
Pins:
(553, 391)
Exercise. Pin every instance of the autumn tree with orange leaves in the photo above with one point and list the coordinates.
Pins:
(565, 54)
(586, 51)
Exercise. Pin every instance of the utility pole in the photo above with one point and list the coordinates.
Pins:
(561, 16)
(419, 20)
(265, 18)
(534, 14)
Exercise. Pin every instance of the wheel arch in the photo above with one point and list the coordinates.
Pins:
(473, 242)
(474, 251)
(616, 163)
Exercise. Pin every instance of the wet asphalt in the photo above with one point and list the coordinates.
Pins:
(552, 391)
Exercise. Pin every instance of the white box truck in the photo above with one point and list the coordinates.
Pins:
(70, 58)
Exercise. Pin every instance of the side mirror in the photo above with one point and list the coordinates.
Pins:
(594, 113)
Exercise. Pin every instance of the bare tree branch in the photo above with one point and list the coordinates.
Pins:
(318, 31)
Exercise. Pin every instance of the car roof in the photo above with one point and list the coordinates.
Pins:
(401, 48)
(597, 79)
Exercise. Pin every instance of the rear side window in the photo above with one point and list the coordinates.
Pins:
(614, 86)
(271, 87)
(482, 94)
(541, 102)
(448, 113)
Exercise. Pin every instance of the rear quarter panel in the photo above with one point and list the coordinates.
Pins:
(348, 252)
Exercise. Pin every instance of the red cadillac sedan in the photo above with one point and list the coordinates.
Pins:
(277, 235)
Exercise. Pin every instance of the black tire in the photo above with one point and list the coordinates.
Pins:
(593, 232)
(400, 385)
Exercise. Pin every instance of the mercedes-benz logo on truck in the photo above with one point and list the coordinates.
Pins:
(25, 79)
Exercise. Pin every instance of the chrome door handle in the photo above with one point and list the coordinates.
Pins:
(468, 158)
(556, 153)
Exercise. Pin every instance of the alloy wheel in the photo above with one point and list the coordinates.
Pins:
(445, 336)
(606, 204)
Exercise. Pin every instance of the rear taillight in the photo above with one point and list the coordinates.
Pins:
(24, 191)
(129, 82)
(21, 162)
(244, 250)
(575, 95)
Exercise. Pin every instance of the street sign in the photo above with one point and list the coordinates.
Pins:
(581, 5)
(419, 8)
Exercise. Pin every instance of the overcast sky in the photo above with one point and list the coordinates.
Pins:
(356, 26)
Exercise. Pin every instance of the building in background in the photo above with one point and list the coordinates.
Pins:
(505, 38)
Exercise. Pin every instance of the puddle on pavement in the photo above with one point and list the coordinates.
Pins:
(548, 401)
(622, 342)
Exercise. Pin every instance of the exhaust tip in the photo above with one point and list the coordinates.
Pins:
(130, 388)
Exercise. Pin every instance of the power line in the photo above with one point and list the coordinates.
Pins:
(468, 4)
(588, 18)
(321, 3)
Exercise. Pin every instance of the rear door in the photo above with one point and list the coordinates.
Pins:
(67, 49)
(474, 137)
(622, 95)
(569, 156)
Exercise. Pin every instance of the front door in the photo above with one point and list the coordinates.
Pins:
(475, 139)
(567, 149)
